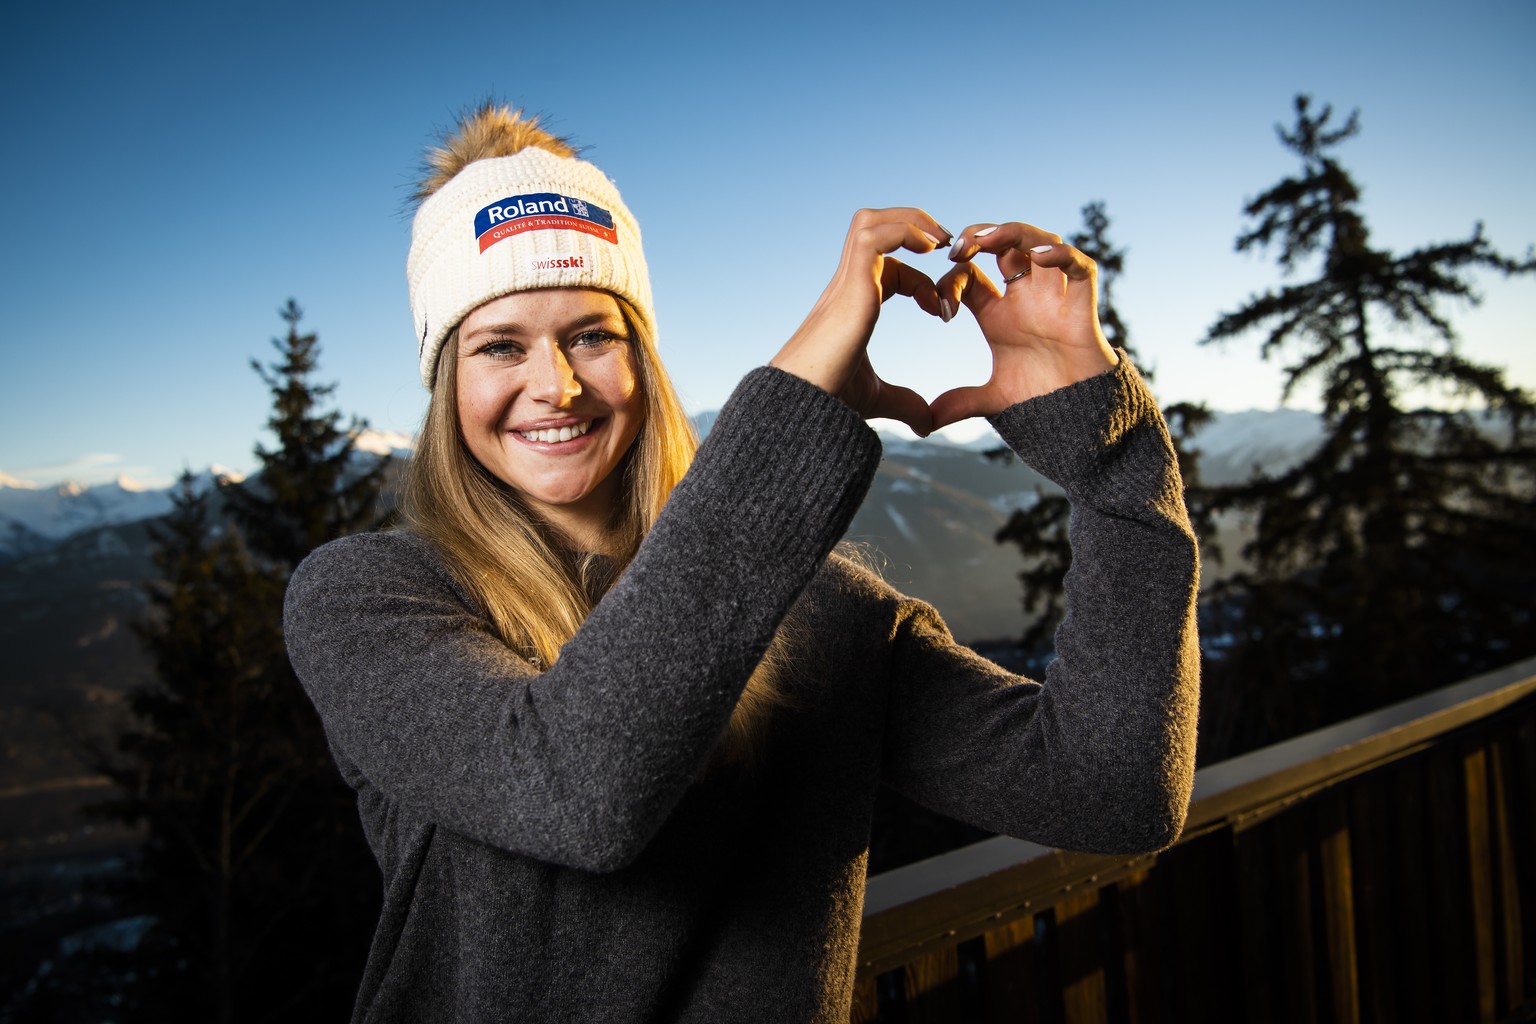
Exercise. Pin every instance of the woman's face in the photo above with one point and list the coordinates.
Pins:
(549, 401)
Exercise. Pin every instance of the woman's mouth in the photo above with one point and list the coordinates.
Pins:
(553, 435)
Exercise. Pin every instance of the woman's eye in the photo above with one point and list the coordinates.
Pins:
(501, 349)
(594, 338)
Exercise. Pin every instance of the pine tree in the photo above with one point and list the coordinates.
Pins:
(309, 489)
(217, 769)
(254, 868)
(1040, 531)
(1399, 555)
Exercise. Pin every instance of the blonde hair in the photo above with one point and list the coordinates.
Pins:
(534, 590)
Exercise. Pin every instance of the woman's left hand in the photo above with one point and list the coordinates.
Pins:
(1043, 329)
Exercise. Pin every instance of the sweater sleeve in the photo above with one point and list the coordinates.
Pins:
(581, 764)
(1100, 756)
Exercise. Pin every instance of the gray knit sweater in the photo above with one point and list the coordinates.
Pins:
(551, 850)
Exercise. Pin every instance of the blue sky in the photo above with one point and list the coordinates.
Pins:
(178, 171)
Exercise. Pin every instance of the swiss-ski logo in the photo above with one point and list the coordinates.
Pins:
(560, 261)
(541, 211)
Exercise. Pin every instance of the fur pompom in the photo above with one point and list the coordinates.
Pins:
(490, 129)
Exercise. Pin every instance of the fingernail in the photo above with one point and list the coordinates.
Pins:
(1042, 248)
(947, 233)
(984, 232)
(930, 238)
(956, 249)
(946, 312)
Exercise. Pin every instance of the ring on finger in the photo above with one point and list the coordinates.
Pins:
(1015, 277)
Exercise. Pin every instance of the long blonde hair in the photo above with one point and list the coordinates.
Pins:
(534, 590)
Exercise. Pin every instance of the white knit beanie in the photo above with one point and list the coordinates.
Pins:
(508, 224)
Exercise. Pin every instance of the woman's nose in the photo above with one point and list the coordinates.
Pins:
(553, 381)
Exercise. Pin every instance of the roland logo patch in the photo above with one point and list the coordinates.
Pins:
(541, 211)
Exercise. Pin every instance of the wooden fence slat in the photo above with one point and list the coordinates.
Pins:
(1511, 962)
(1011, 978)
(1185, 893)
(1451, 925)
(1206, 930)
(930, 987)
(1259, 880)
(1081, 959)
(1339, 908)
(1474, 773)
(1412, 919)
(1372, 854)
(1140, 937)
(1291, 911)
(1519, 760)
(866, 1001)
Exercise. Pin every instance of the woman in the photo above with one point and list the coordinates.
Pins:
(614, 716)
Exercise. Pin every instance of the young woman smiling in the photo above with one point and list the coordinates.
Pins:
(549, 403)
(615, 714)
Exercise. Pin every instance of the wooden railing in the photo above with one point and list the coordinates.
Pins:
(1383, 869)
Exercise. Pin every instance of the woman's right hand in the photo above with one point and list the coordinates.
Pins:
(830, 349)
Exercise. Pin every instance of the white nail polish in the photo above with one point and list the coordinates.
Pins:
(1042, 248)
(945, 312)
(956, 249)
(984, 232)
(930, 238)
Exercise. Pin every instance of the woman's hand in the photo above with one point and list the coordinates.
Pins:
(1043, 328)
(830, 349)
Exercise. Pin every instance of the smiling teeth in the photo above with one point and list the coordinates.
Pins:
(553, 434)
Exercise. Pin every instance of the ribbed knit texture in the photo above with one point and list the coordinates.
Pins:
(550, 850)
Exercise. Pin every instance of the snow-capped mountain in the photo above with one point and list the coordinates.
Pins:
(930, 521)
(383, 442)
(1233, 445)
(32, 517)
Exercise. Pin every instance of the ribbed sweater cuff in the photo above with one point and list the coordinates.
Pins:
(756, 474)
(1072, 435)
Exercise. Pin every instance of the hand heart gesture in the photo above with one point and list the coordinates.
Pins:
(1043, 328)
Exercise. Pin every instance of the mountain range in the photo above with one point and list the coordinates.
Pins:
(34, 518)
(73, 561)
